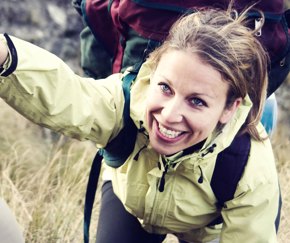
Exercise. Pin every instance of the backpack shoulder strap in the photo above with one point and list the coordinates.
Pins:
(114, 154)
(229, 167)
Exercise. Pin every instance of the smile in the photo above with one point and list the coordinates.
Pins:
(168, 133)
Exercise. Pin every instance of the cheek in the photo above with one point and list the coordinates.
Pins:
(154, 100)
(199, 126)
(203, 123)
(151, 107)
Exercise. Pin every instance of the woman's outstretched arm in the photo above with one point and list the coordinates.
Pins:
(41, 87)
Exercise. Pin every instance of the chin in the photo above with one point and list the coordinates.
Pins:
(164, 149)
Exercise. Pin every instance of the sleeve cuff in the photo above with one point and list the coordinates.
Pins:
(10, 64)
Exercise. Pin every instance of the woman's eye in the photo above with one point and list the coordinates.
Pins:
(197, 102)
(165, 88)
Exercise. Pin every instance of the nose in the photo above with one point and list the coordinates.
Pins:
(172, 111)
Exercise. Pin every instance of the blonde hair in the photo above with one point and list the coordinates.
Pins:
(223, 40)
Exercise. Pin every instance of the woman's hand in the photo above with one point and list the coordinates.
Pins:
(3, 53)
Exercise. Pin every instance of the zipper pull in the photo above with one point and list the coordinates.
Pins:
(209, 150)
(162, 180)
(141, 127)
(136, 157)
(200, 180)
(258, 26)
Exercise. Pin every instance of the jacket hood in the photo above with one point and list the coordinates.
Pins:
(218, 139)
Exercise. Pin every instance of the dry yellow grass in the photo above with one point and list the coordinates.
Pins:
(43, 179)
(281, 145)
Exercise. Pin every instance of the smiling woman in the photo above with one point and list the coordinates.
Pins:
(189, 102)
(196, 95)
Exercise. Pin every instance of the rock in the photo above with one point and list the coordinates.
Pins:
(57, 14)
(51, 24)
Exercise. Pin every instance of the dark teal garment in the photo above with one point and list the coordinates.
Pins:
(96, 61)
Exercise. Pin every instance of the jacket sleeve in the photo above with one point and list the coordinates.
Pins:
(251, 215)
(46, 91)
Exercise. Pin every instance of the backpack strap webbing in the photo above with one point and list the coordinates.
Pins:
(114, 154)
(229, 167)
(90, 194)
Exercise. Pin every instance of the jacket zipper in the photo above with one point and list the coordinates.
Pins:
(162, 179)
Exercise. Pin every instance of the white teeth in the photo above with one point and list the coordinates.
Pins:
(168, 133)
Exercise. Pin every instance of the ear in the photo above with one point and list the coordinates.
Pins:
(229, 112)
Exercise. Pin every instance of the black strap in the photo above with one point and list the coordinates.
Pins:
(229, 167)
(90, 194)
(278, 217)
(278, 74)
(114, 154)
(228, 170)
(118, 150)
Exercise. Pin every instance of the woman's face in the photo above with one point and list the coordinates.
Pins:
(186, 101)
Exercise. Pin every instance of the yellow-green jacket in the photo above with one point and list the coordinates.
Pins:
(46, 91)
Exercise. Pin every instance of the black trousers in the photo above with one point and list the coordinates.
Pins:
(116, 225)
